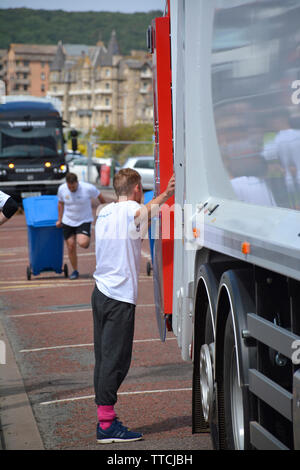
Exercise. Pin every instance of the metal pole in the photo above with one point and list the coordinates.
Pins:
(123, 142)
(90, 154)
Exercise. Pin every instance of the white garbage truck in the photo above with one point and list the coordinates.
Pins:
(227, 272)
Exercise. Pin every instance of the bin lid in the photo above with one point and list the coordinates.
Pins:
(41, 211)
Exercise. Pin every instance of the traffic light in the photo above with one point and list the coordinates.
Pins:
(74, 135)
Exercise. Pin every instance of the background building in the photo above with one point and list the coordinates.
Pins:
(3, 53)
(26, 67)
(99, 86)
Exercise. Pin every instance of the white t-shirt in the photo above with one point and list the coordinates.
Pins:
(286, 148)
(77, 205)
(253, 190)
(3, 199)
(118, 251)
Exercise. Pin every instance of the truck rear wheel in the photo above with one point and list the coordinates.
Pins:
(206, 361)
(233, 394)
(203, 375)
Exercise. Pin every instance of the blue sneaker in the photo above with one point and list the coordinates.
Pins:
(117, 433)
(74, 275)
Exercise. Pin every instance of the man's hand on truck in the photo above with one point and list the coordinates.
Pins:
(152, 208)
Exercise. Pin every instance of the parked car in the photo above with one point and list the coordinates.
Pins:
(144, 165)
(79, 166)
(70, 156)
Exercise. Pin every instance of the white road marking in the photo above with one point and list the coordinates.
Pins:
(18, 260)
(139, 392)
(66, 346)
(15, 229)
(75, 310)
(54, 284)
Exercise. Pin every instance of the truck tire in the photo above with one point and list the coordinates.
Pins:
(199, 422)
(205, 358)
(203, 347)
(206, 368)
(236, 404)
(235, 355)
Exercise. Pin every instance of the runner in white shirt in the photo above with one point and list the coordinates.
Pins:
(75, 215)
(8, 207)
(117, 253)
(118, 250)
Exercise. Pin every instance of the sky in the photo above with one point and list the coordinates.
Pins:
(124, 6)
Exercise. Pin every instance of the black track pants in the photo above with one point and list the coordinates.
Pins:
(113, 339)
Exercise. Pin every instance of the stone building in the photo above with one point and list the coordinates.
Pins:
(26, 67)
(3, 53)
(99, 86)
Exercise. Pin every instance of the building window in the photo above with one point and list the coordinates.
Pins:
(25, 87)
(107, 101)
(107, 72)
(42, 76)
(42, 87)
(107, 86)
(106, 119)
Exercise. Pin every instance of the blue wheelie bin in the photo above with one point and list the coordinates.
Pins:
(148, 196)
(45, 240)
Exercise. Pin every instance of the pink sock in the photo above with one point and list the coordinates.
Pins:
(106, 415)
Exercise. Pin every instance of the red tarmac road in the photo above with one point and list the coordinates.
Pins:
(48, 322)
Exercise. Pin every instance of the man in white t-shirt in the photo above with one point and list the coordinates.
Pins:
(118, 250)
(75, 215)
(8, 207)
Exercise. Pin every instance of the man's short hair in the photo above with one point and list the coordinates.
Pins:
(125, 181)
(71, 178)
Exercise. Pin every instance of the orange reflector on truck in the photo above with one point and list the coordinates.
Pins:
(246, 248)
(196, 232)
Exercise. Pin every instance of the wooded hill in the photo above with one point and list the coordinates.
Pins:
(27, 26)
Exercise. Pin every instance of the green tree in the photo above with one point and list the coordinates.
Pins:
(23, 25)
(137, 132)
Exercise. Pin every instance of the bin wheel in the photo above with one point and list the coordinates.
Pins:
(66, 271)
(28, 272)
(149, 268)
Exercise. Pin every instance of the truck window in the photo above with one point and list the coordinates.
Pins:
(30, 141)
(258, 128)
